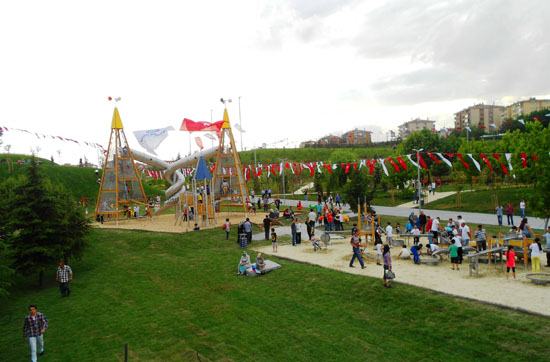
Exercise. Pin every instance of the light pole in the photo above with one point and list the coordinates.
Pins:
(283, 160)
(240, 123)
(419, 187)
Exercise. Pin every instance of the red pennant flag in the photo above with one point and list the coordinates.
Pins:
(355, 166)
(328, 167)
(535, 158)
(481, 126)
(504, 169)
(433, 158)
(536, 119)
(298, 168)
(311, 167)
(508, 122)
(458, 128)
(523, 159)
(371, 164)
(421, 161)
(462, 160)
(484, 158)
(402, 162)
(395, 166)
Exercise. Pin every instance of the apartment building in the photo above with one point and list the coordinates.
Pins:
(415, 125)
(484, 116)
(520, 108)
(356, 137)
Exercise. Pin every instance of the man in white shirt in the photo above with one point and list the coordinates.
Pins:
(465, 235)
(435, 229)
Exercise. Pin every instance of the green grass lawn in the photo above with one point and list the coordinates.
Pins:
(171, 296)
(481, 201)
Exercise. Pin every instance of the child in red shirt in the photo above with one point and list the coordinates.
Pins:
(510, 261)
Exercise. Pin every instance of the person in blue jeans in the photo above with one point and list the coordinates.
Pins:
(293, 231)
(416, 251)
(34, 328)
(356, 243)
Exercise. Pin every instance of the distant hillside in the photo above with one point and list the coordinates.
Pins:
(79, 181)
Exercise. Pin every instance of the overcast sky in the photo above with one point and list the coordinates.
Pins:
(303, 69)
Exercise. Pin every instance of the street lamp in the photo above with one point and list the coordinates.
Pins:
(419, 187)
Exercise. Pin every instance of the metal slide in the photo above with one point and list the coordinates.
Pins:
(172, 173)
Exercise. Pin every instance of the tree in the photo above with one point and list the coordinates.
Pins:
(43, 226)
(6, 190)
(356, 189)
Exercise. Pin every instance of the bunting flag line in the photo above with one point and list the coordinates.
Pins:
(381, 161)
(433, 158)
(523, 157)
(395, 166)
(410, 159)
(402, 162)
(509, 159)
(504, 169)
(462, 160)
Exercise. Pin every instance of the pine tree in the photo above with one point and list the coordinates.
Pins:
(43, 225)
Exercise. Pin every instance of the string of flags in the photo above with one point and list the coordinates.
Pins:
(395, 163)
(57, 138)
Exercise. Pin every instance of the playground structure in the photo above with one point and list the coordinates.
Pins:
(228, 178)
(371, 221)
(199, 201)
(120, 186)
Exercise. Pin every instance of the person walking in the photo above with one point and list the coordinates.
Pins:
(293, 231)
(227, 227)
(387, 266)
(34, 327)
(310, 223)
(63, 276)
(546, 236)
(510, 262)
(267, 225)
(298, 232)
(522, 208)
(499, 209)
(356, 243)
(247, 226)
(510, 214)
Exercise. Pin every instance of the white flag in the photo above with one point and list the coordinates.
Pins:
(508, 158)
(410, 159)
(152, 138)
(475, 162)
(521, 121)
(444, 159)
(381, 160)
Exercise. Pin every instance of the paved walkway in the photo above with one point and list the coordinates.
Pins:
(472, 218)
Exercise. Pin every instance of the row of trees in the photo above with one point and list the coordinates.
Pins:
(41, 225)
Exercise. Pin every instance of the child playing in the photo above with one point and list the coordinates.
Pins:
(196, 228)
(227, 227)
(404, 254)
(453, 253)
(510, 261)
(389, 234)
(398, 229)
(416, 232)
(379, 253)
(274, 243)
(315, 243)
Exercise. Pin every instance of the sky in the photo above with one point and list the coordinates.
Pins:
(296, 70)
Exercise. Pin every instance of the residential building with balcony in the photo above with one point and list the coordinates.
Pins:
(414, 126)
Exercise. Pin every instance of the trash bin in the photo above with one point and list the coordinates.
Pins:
(243, 240)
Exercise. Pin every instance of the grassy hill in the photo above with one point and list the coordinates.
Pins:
(173, 296)
(79, 181)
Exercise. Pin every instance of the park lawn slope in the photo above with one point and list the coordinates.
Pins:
(481, 201)
(171, 296)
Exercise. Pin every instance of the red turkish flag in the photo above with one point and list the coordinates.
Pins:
(191, 126)
(504, 169)
(484, 158)
(402, 162)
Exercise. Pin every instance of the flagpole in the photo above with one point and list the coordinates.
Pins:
(240, 124)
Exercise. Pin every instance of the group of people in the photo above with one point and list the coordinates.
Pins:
(509, 210)
(245, 263)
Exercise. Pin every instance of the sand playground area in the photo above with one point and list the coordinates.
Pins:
(490, 286)
(167, 222)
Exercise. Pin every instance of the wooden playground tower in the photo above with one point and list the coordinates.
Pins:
(228, 179)
(120, 184)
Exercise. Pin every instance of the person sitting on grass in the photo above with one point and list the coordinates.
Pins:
(260, 263)
(243, 264)
(404, 254)
(416, 251)
(274, 243)
(196, 228)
